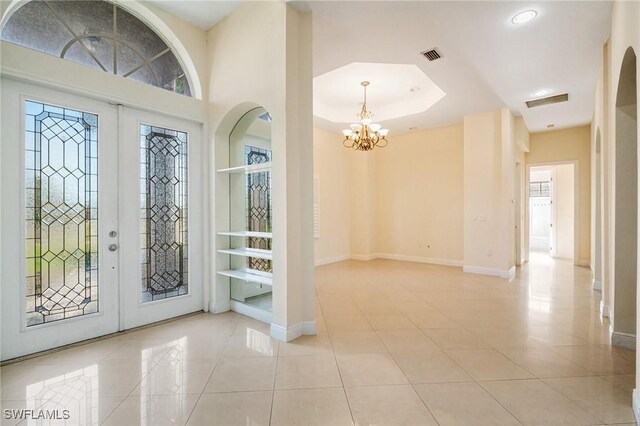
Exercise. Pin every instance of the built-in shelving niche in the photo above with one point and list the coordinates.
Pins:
(247, 237)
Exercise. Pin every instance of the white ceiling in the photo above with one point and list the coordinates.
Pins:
(204, 14)
(487, 61)
(396, 90)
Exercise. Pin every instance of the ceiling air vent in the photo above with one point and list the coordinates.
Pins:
(549, 100)
(431, 54)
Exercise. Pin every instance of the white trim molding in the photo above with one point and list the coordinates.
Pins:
(597, 285)
(604, 309)
(363, 257)
(333, 259)
(287, 334)
(509, 274)
(220, 307)
(419, 259)
(623, 340)
(251, 311)
(309, 328)
(636, 405)
(494, 272)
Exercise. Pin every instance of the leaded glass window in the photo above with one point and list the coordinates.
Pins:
(163, 188)
(98, 34)
(61, 159)
(258, 206)
(539, 189)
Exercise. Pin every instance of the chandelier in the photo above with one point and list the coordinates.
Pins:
(367, 135)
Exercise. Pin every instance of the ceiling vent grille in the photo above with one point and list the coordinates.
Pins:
(547, 101)
(431, 54)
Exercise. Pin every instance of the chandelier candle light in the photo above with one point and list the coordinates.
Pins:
(367, 135)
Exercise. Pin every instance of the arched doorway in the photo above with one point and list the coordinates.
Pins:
(626, 205)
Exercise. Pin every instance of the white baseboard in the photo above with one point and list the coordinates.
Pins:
(604, 309)
(287, 334)
(509, 274)
(583, 262)
(624, 340)
(309, 328)
(419, 259)
(597, 285)
(636, 405)
(363, 257)
(251, 312)
(220, 307)
(333, 259)
(494, 272)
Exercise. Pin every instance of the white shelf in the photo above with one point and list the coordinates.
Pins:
(248, 252)
(247, 234)
(252, 168)
(248, 276)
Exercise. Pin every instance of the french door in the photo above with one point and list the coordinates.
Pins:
(96, 218)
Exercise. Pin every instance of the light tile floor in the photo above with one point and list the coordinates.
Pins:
(398, 343)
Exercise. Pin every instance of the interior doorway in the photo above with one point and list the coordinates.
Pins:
(552, 210)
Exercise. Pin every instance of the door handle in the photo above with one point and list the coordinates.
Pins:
(113, 247)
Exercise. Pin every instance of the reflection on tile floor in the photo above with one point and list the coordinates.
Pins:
(398, 343)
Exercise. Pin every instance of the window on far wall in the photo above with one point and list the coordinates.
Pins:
(539, 189)
(98, 34)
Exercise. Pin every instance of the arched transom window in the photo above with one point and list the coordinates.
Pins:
(98, 34)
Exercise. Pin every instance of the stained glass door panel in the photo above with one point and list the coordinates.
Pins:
(164, 212)
(258, 206)
(59, 280)
(61, 213)
(163, 262)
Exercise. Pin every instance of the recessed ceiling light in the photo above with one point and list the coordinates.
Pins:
(415, 89)
(524, 17)
(542, 92)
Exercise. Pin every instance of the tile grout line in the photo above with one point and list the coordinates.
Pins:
(344, 390)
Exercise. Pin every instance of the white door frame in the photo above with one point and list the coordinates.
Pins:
(518, 213)
(197, 211)
(576, 205)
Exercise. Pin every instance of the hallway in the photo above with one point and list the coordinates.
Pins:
(399, 343)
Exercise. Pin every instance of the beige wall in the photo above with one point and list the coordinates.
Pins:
(400, 202)
(625, 33)
(276, 39)
(420, 197)
(567, 145)
(490, 156)
(331, 167)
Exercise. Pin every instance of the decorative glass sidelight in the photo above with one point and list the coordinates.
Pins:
(61, 164)
(258, 206)
(163, 188)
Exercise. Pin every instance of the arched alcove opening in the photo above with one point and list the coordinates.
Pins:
(626, 205)
(243, 219)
